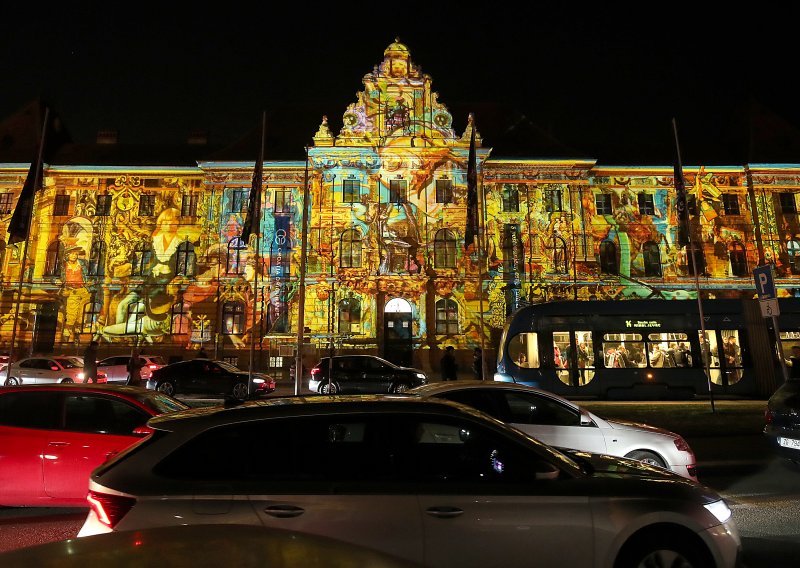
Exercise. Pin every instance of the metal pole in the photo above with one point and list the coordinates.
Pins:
(257, 222)
(780, 349)
(301, 310)
(691, 250)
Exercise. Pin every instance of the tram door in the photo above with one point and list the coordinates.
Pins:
(573, 357)
(722, 353)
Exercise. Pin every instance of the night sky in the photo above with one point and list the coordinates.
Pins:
(590, 82)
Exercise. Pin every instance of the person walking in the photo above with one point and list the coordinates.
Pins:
(477, 363)
(449, 365)
(135, 364)
(90, 363)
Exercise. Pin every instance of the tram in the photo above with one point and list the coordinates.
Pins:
(647, 349)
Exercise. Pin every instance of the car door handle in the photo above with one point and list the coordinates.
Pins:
(284, 511)
(444, 512)
(58, 444)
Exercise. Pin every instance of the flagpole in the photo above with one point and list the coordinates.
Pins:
(690, 246)
(256, 222)
(301, 310)
(37, 171)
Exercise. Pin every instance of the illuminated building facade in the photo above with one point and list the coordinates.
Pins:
(152, 255)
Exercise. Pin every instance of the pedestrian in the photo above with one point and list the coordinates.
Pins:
(477, 363)
(449, 365)
(90, 363)
(202, 354)
(135, 364)
(794, 363)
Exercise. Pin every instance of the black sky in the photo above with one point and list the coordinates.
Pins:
(605, 82)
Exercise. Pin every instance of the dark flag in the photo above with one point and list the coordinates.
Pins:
(472, 191)
(20, 225)
(680, 206)
(252, 220)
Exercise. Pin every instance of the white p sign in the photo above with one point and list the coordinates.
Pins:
(765, 283)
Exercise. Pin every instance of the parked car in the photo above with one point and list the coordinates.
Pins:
(53, 436)
(783, 420)
(425, 480)
(356, 374)
(116, 367)
(558, 422)
(48, 370)
(201, 546)
(205, 376)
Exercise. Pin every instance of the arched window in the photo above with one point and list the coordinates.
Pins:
(97, 259)
(142, 257)
(608, 258)
(179, 321)
(350, 249)
(699, 259)
(652, 259)
(54, 259)
(236, 256)
(510, 198)
(91, 313)
(738, 258)
(133, 321)
(557, 249)
(233, 318)
(444, 249)
(446, 317)
(350, 315)
(185, 259)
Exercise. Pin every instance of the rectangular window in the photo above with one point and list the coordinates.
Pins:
(730, 202)
(61, 205)
(283, 200)
(5, 203)
(103, 205)
(621, 350)
(646, 206)
(662, 348)
(552, 200)
(397, 190)
(510, 198)
(239, 199)
(444, 191)
(147, 204)
(351, 191)
(603, 203)
(788, 202)
(189, 204)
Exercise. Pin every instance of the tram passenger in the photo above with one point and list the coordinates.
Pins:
(671, 359)
(558, 359)
(733, 359)
(683, 357)
(623, 358)
(656, 356)
(794, 363)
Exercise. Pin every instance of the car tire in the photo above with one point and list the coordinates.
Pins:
(400, 388)
(167, 387)
(664, 549)
(66, 381)
(12, 382)
(239, 391)
(647, 457)
(328, 388)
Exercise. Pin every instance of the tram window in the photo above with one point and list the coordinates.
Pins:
(667, 349)
(523, 349)
(623, 350)
(561, 349)
(732, 352)
(789, 340)
(585, 346)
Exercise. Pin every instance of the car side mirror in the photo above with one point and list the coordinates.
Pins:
(143, 431)
(549, 474)
(586, 420)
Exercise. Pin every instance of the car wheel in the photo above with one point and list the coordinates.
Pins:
(239, 391)
(328, 388)
(67, 381)
(401, 387)
(12, 381)
(647, 457)
(167, 387)
(655, 550)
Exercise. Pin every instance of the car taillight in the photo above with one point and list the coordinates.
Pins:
(769, 416)
(110, 508)
(681, 444)
(316, 371)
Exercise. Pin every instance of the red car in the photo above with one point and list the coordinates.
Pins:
(53, 436)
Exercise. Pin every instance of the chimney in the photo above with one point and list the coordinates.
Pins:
(107, 136)
(197, 138)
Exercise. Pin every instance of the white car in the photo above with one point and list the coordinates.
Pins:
(558, 422)
(47, 370)
(116, 367)
(427, 481)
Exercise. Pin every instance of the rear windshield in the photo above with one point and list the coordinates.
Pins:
(160, 403)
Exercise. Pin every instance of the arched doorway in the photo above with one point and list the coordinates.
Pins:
(397, 332)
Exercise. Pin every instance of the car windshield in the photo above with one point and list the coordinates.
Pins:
(70, 362)
(161, 403)
(228, 367)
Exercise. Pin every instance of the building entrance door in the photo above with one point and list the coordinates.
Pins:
(44, 330)
(397, 332)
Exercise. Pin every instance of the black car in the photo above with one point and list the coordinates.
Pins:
(204, 376)
(783, 420)
(358, 374)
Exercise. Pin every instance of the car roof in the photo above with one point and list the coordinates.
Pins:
(82, 387)
(437, 388)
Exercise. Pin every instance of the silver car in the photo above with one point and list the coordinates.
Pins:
(425, 480)
(558, 422)
(47, 370)
(116, 367)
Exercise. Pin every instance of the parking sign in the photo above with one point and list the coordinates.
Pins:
(765, 282)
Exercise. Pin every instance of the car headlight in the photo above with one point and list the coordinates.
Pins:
(420, 375)
(720, 510)
(80, 376)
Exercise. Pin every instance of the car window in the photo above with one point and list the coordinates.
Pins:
(160, 403)
(98, 414)
(375, 364)
(526, 408)
(228, 367)
(68, 363)
(45, 364)
(30, 410)
(492, 403)
(155, 360)
(27, 364)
